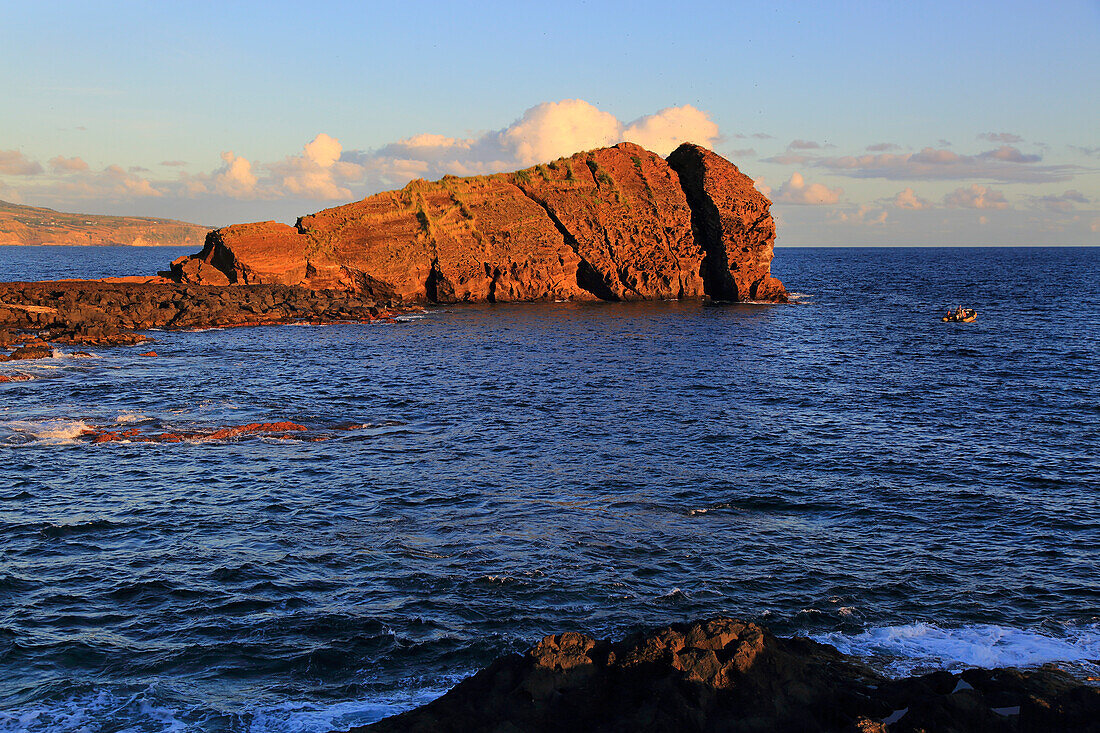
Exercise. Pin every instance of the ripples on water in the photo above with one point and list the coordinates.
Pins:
(849, 467)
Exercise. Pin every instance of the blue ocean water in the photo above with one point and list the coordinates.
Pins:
(920, 493)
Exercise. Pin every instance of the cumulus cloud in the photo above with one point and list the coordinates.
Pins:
(762, 187)
(1001, 137)
(803, 145)
(908, 199)
(1064, 202)
(797, 191)
(113, 183)
(553, 129)
(881, 147)
(976, 197)
(235, 179)
(318, 173)
(543, 133)
(664, 131)
(1091, 152)
(14, 163)
(63, 165)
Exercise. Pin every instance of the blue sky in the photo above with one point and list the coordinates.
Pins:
(867, 123)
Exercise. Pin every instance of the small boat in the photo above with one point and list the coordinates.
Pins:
(969, 315)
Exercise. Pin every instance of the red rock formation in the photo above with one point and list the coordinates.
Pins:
(732, 223)
(614, 223)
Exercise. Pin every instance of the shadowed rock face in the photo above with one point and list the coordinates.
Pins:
(612, 224)
(726, 675)
(732, 224)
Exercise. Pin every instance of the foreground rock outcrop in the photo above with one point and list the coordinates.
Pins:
(617, 223)
(726, 675)
(96, 312)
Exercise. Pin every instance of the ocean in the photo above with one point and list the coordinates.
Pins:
(925, 495)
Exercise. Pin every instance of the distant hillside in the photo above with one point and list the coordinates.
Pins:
(32, 225)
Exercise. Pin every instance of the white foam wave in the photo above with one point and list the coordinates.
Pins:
(126, 418)
(51, 432)
(921, 647)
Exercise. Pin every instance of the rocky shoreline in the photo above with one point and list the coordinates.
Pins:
(727, 675)
(85, 312)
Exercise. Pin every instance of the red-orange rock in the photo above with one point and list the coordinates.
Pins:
(615, 223)
(149, 353)
(733, 224)
(251, 428)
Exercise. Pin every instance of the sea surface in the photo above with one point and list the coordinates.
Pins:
(923, 494)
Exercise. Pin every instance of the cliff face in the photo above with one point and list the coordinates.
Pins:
(616, 223)
(33, 226)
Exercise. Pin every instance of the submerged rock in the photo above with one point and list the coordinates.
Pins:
(617, 223)
(727, 675)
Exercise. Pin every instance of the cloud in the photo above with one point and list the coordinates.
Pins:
(318, 172)
(664, 131)
(881, 147)
(797, 191)
(1006, 164)
(67, 165)
(864, 214)
(543, 133)
(742, 153)
(1091, 152)
(235, 179)
(790, 159)
(113, 183)
(10, 194)
(1009, 154)
(803, 145)
(14, 163)
(908, 199)
(174, 163)
(1064, 202)
(1001, 137)
(762, 187)
(976, 197)
(553, 129)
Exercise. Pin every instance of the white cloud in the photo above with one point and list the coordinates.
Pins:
(803, 145)
(976, 197)
(553, 129)
(318, 172)
(543, 133)
(908, 199)
(797, 191)
(14, 163)
(664, 131)
(236, 178)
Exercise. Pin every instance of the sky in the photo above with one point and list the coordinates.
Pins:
(934, 123)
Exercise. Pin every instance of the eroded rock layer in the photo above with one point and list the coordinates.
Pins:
(726, 675)
(615, 223)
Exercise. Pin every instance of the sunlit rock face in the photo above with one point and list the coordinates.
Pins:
(617, 223)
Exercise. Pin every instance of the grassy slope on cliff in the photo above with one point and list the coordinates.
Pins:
(32, 225)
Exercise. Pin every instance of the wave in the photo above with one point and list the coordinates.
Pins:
(50, 432)
(921, 647)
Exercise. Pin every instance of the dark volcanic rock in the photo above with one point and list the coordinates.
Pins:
(89, 312)
(725, 675)
(615, 223)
